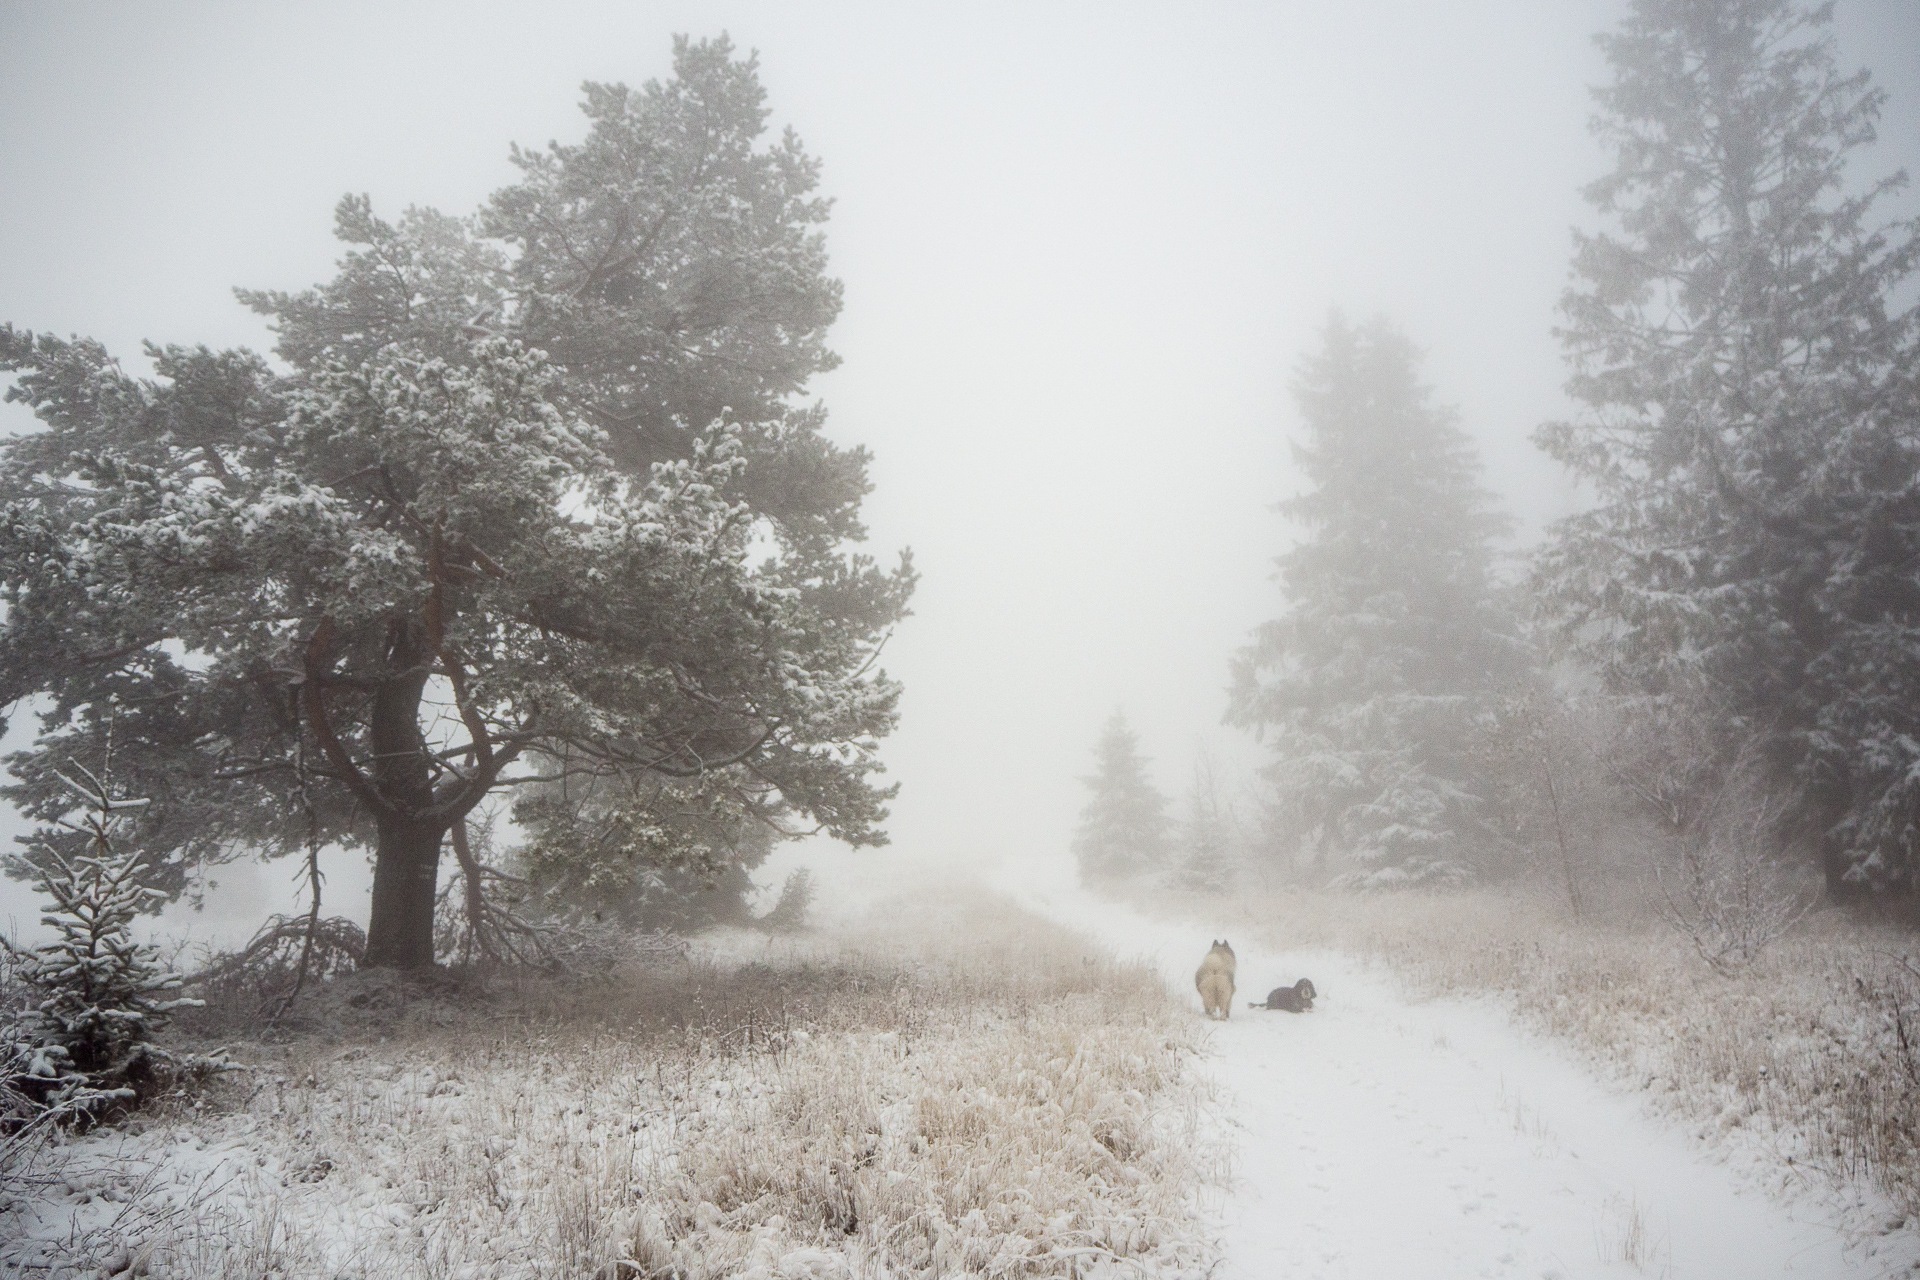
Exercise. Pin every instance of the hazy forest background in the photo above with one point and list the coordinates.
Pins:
(1700, 687)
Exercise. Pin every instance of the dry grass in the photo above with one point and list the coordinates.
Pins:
(1813, 1051)
(1628, 1236)
(972, 1096)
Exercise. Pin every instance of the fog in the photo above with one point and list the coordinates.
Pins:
(1082, 248)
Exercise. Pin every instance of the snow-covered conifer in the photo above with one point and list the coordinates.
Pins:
(1123, 829)
(97, 996)
(1745, 349)
(492, 533)
(1392, 642)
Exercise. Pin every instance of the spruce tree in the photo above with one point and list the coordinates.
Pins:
(96, 996)
(1747, 371)
(1123, 829)
(1392, 642)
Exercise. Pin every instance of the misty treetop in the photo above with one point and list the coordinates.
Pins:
(1747, 369)
(496, 530)
(1392, 641)
(1123, 832)
(670, 267)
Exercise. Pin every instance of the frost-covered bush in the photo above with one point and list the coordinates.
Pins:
(1731, 901)
(1727, 894)
(94, 996)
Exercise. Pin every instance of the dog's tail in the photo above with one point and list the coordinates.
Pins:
(1256, 1004)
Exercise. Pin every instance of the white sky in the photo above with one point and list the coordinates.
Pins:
(1083, 246)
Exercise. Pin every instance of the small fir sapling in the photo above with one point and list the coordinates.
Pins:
(95, 996)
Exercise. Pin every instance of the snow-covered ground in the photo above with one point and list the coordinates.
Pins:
(949, 1089)
(1384, 1137)
(1380, 1136)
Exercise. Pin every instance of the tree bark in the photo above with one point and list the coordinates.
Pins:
(405, 874)
(407, 856)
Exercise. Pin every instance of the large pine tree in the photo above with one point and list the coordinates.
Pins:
(1751, 423)
(1391, 644)
(529, 511)
(1123, 829)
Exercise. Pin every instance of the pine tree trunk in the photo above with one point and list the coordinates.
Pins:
(407, 857)
(405, 874)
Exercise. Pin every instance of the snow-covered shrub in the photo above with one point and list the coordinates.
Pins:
(581, 946)
(1728, 895)
(83, 1043)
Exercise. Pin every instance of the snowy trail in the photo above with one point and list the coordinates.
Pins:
(1378, 1137)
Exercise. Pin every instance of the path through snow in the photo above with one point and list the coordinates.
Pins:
(1379, 1137)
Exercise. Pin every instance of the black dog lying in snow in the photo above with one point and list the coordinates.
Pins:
(1297, 998)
